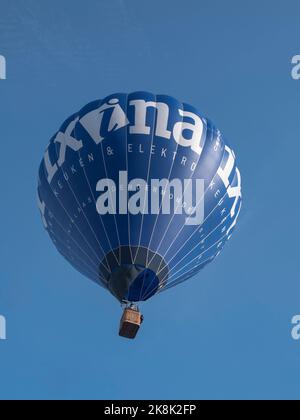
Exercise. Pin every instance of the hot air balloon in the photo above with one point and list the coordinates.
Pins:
(139, 192)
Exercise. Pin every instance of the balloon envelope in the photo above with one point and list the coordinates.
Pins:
(139, 193)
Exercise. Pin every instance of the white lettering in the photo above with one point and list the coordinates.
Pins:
(140, 126)
(225, 173)
(66, 140)
(107, 202)
(92, 122)
(42, 207)
(195, 129)
(296, 68)
(165, 195)
(2, 328)
(2, 67)
(296, 328)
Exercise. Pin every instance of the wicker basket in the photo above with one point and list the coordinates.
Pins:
(130, 323)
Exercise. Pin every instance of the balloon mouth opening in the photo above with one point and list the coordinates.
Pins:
(134, 274)
(144, 286)
(142, 282)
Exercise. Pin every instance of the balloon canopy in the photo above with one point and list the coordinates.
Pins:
(139, 192)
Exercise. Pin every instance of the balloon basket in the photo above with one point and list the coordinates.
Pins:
(130, 323)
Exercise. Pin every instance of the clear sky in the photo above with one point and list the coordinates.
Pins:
(227, 332)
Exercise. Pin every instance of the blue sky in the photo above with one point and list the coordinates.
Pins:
(226, 333)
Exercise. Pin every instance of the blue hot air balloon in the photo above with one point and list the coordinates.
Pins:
(139, 192)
